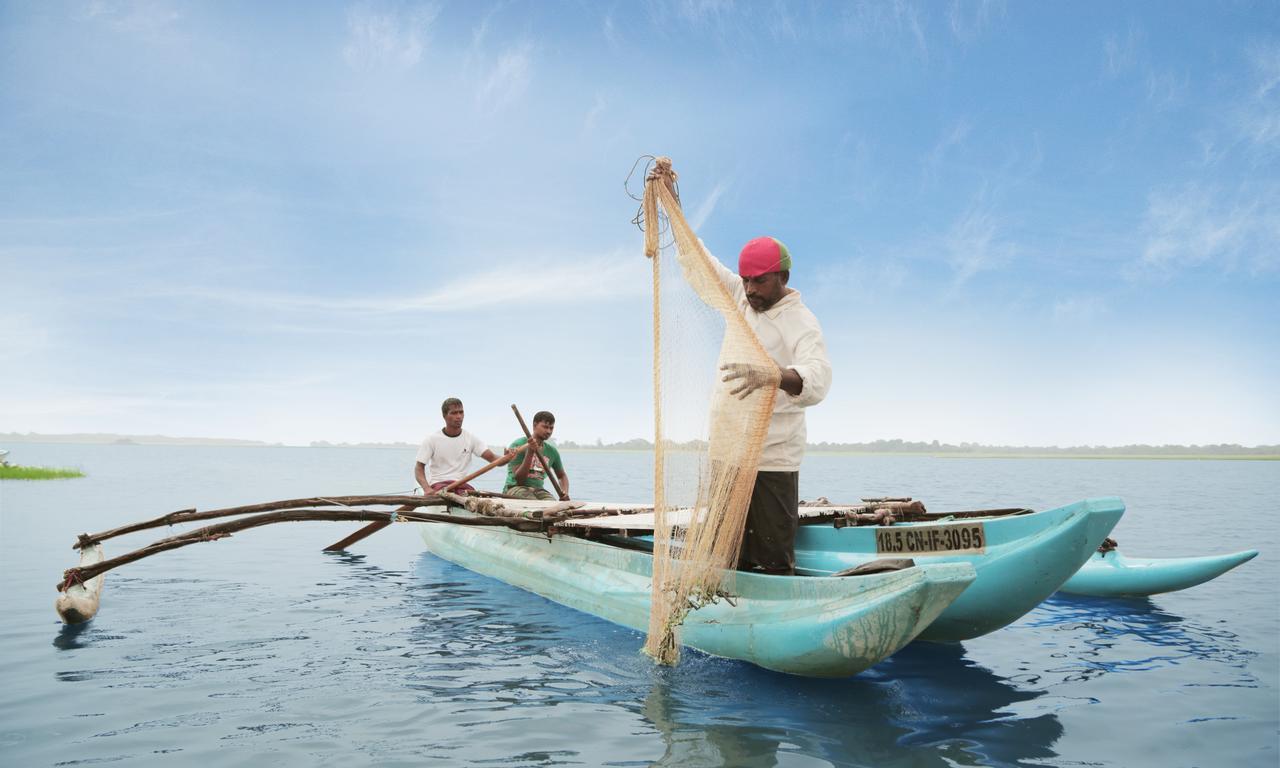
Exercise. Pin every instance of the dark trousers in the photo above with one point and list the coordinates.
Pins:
(769, 541)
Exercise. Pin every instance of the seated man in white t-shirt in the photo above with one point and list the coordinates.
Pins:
(447, 454)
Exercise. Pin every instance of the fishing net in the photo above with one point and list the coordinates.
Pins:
(708, 441)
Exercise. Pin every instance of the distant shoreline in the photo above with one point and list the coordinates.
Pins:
(874, 448)
(812, 451)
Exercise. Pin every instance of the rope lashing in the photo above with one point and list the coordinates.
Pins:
(70, 578)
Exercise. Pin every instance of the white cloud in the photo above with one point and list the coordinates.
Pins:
(151, 20)
(1193, 225)
(507, 79)
(881, 22)
(1166, 90)
(784, 26)
(1121, 54)
(954, 137)
(1257, 118)
(973, 245)
(593, 115)
(21, 335)
(37, 410)
(573, 281)
(701, 10)
(1079, 309)
(610, 30)
(386, 39)
(968, 20)
(706, 208)
(861, 280)
(1266, 66)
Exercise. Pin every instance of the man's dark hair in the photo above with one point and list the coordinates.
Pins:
(448, 404)
(546, 416)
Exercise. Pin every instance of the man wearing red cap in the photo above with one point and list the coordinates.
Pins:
(791, 335)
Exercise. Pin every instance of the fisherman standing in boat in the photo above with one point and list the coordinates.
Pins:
(447, 454)
(792, 337)
(525, 474)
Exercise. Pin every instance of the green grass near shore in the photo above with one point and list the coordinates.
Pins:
(17, 472)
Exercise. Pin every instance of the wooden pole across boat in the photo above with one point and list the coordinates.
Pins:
(92, 566)
(538, 454)
(373, 528)
(191, 515)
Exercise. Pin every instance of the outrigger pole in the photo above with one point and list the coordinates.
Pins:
(373, 528)
(81, 586)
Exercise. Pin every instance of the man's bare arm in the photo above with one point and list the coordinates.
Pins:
(522, 471)
(489, 455)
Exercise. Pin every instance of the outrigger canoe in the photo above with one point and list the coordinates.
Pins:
(819, 627)
(1020, 558)
(1111, 574)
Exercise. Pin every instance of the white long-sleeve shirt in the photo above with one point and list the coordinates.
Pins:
(791, 335)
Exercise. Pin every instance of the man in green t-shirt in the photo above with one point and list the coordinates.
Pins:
(525, 475)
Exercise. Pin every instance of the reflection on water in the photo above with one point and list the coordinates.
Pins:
(930, 698)
(1100, 635)
(499, 655)
(69, 636)
(948, 701)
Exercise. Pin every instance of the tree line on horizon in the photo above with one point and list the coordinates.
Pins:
(934, 446)
(641, 444)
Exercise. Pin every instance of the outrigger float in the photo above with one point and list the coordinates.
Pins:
(1108, 573)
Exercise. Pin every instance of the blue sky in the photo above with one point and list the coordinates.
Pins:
(1019, 223)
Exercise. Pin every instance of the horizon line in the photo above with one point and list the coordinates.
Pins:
(106, 438)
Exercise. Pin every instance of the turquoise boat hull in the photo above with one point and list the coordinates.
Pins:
(1026, 559)
(1114, 575)
(818, 627)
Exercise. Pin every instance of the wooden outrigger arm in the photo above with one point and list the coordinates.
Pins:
(373, 528)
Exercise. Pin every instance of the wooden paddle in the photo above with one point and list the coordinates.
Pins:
(538, 454)
(373, 528)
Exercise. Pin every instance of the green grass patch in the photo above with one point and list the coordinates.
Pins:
(17, 472)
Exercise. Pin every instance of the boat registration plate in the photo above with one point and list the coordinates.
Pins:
(964, 539)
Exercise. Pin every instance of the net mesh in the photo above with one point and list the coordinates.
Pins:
(707, 440)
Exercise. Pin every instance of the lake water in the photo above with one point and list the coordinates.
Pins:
(260, 649)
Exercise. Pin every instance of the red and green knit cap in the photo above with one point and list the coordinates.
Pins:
(762, 256)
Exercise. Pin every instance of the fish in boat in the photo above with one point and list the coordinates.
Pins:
(1112, 574)
(812, 626)
(1020, 558)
